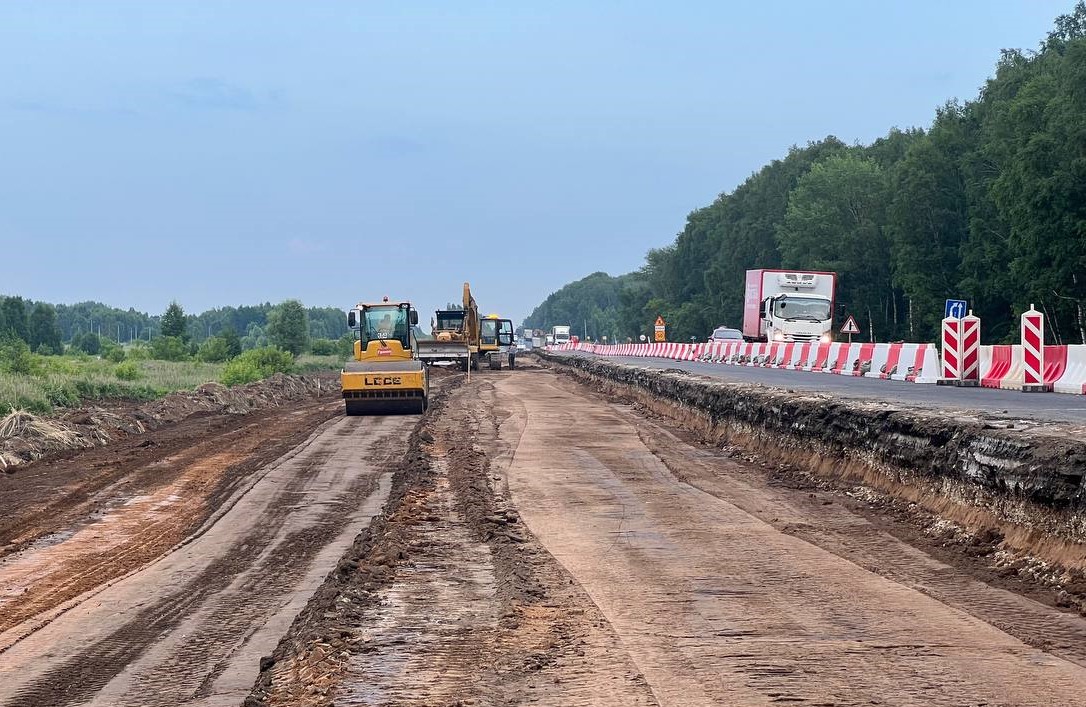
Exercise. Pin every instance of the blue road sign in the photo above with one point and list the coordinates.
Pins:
(955, 309)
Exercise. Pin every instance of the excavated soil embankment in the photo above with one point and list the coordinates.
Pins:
(1016, 485)
(26, 438)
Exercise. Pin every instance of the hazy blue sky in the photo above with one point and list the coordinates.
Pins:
(230, 153)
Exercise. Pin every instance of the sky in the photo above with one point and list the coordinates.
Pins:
(227, 153)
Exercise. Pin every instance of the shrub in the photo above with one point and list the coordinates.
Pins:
(138, 351)
(257, 364)
(345, 346)
(88, 343)
(15, 356)
(322, 347)
(127, 371)
(169, 348)
(113, 353)
(215, 350)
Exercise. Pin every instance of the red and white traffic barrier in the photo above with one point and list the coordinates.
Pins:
(886, 361)
(951, 349)
(1033, 351)
(1073, 379)
(970, 350)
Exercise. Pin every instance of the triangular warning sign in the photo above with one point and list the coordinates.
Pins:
(850, 326)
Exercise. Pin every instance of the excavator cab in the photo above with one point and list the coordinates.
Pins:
(495, 336)
(386, 375)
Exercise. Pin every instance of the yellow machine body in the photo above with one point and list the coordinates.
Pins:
(386, 376)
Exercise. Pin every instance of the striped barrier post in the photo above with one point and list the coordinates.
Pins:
(1033, 351)
(970, 350)
(952, 352)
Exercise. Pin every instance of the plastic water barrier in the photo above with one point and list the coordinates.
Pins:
(1002, 367)
(1064, 368)
(916, 363)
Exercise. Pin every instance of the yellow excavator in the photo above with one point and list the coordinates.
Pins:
(386, 375)
(495, 336)
(461, 337)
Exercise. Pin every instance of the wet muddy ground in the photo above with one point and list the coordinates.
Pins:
(559, 548)
(528, 541)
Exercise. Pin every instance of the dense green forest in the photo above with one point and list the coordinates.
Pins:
(987, 204)
(123, 326)
(92, 326)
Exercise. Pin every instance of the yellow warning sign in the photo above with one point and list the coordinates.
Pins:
(661, 330)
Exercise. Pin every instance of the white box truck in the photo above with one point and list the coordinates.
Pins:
(788, 305)
(560, 335)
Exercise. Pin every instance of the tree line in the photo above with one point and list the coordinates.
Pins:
(214, 336)
(988, 205)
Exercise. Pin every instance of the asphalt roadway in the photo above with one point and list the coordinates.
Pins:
(998, 403)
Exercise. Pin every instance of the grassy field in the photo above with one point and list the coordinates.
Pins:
(66, 381)
(309, 363)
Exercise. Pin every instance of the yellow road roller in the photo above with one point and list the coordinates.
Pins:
(386, 376)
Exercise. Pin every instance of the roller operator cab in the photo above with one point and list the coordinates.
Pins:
(386, 376)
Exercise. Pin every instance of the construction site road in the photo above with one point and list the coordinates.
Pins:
(725, 589)
(529, 539)
(189, 621)
(1004, 403)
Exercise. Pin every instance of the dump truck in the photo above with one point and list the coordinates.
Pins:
(385, 376)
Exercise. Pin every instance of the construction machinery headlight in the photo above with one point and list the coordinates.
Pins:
(825, 338)
(778, 336)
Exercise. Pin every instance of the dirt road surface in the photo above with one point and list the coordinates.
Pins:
(526, 542)
(191, 626)
(726, 590)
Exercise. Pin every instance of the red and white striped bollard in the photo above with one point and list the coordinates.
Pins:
(951, 373)
(1033, 351)
(970, 350)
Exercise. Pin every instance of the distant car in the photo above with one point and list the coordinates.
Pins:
(723, 333)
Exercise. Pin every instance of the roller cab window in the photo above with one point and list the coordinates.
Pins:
(386, 323)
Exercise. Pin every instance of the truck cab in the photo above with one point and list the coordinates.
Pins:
(788, 305)
(796, 317)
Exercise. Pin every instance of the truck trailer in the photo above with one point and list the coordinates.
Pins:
(789, 305)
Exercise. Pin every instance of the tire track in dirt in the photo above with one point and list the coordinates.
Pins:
(119, 517)
(451, 600)
(857, 537)
(717, 606)
(173, 648)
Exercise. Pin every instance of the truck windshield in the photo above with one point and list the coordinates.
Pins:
(449, 321)
(385, 323)
(817, 310)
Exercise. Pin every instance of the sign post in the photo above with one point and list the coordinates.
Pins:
(660, 330)
(850, 327)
